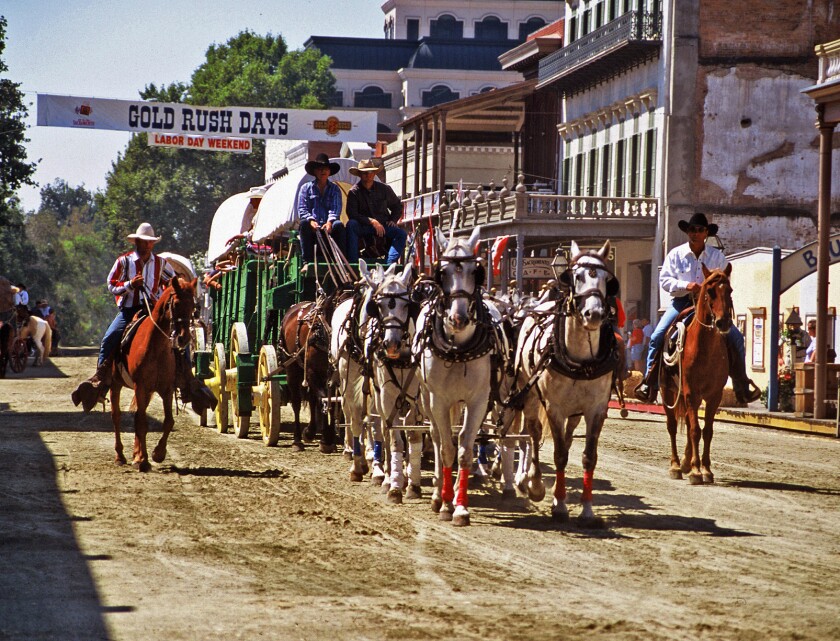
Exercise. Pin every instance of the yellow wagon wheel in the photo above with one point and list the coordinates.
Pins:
(238, 345)
(219, 369)
(270, 405)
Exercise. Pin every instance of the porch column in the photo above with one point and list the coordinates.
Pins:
(442, 153)
(516, 140)
(405, 164)
(416, 161)
(824, 231)
(520, 259)
(435, 153)
(425, 156)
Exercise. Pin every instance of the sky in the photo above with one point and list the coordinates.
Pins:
(114, 48)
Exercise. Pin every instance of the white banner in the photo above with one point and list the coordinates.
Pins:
(178, 118)
(204, 143)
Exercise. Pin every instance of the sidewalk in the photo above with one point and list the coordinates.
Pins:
(755, 414)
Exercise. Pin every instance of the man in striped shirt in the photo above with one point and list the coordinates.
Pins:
(137, 279)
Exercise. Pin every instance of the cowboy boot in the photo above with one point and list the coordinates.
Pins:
(93, 390)
(646, 390)
(746, 391)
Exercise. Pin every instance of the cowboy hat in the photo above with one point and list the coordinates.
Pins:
(145, 232)
(321, 160)
(365, 167)
(698, 220)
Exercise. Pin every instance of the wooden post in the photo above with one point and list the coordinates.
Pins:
(423, 180)
(405, 165)
(824, 231)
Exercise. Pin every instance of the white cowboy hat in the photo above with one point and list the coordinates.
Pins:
(365, 167)
(145, 232)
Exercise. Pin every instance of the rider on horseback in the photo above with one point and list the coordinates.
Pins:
(681, 276)
(137, 280)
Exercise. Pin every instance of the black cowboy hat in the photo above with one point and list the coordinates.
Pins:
(698, 220)
(322, 160)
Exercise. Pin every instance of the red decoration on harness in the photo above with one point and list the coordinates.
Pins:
(463, 482)
(447, 492)
(587, 486)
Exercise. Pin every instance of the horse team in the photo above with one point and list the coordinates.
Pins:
(401, 349)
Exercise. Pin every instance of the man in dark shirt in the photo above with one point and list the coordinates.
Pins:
(373, 209)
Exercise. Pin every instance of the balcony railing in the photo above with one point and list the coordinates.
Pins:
(504, 206)
(632, 27)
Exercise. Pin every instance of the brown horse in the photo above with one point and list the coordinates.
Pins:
(150, 364)
(305, 345)
(699, 374)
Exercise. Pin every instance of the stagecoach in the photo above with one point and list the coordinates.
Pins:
(261, 278)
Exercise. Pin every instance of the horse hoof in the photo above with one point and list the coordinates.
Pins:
(624, 413)
(413, 492)
(590, 522)
(297, 447)
(508, 494)
(327, 448)
(395, 496)
(675, 474)
(142, 466)
(158, 457)
(436, 504)
(536, 493)
(461, 520)
(376, 479)
(348, 455)
(356, 477)
(445, 515)
(709, 478)
(695, 479)
(120, 460)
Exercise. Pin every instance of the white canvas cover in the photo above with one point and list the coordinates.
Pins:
(231, 218)
(182, 266)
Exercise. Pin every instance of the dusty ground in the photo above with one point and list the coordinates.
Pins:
(229, 539)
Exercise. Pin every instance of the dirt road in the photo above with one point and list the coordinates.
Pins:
(229, 539)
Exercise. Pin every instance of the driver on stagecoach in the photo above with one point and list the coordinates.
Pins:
(682, 276)
(137, 279)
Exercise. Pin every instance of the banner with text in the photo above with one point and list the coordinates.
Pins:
(204, 143)
(178, 118)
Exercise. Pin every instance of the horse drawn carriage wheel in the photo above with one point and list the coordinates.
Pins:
(220, 366)
(18, 355)
(270, 404)
(199, 345)
(238, 345)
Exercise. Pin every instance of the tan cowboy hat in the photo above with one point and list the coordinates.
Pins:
(366, 166)
(145, 232)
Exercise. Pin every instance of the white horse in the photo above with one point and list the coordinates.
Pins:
(394, 374)
(565, 358)
(456, 337)
(41, 334)
(347, 353)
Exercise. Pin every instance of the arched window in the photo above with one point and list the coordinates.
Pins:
(438, 94)
(372, 97)
(485, 89)
(527, 28)
(447, 27)
(491, 28)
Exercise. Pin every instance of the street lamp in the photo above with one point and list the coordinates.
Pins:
(559, 263)
(793, 331)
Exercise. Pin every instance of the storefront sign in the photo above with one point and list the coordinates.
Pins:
(803, 262)
(178, 118)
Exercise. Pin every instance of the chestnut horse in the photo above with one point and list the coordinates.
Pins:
(699, 373)
(150, 367)
(305, 345)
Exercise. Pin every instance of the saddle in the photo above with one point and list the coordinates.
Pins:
(675, 337)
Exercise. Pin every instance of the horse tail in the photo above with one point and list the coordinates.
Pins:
(47, 342)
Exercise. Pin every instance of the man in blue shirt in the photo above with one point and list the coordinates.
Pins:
(319, 207)
(682, 276)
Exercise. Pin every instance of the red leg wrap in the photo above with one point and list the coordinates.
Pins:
(560, 486)
(463, 482)
(447, 492)
(587, 485)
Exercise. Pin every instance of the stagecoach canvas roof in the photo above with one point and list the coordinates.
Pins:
(278, 211)
(231, 218)
(182, 266)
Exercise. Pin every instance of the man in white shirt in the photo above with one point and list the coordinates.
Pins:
(682, 276)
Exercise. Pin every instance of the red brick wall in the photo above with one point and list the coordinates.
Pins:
(766, 28)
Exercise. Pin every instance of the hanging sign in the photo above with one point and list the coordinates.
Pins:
(204, 143)
(178, 118)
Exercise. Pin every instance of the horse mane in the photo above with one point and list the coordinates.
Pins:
(185, 286)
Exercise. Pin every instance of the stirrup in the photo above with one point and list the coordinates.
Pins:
(750, 394)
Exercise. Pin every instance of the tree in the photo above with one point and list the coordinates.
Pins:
(179, 190)
(14, 170)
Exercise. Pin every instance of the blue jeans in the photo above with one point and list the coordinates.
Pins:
(395, 236)
(113, 335)
(734, 338)
(307, 240)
